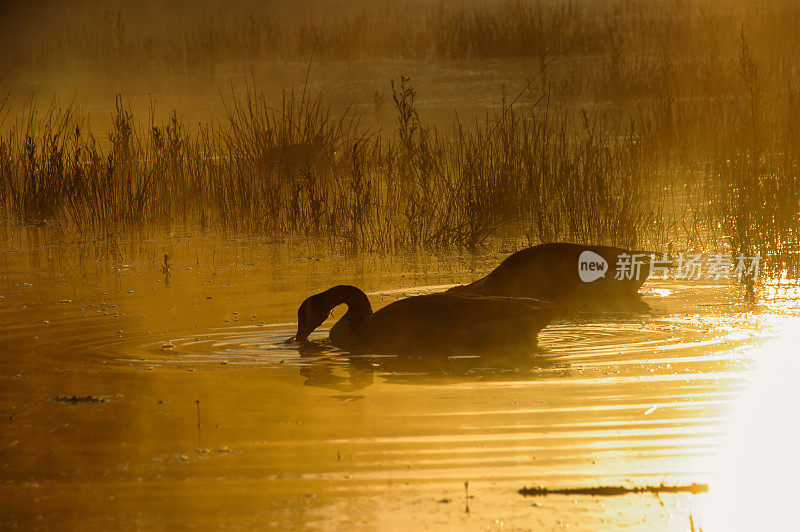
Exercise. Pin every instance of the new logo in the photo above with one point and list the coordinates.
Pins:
(591, 266)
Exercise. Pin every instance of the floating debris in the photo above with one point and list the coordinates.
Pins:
(610, 491)
(346, 398)
(74, 400)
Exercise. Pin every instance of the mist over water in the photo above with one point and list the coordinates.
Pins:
(175, 179)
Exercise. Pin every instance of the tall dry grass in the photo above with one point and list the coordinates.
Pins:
(674, 122)
(300, 170)
(704, 173)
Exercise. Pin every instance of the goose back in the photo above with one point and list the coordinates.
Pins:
(550, 272)
(446, 321)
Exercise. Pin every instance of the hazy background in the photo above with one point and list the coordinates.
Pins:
(186, 55)
(683, 112)
(461, 55)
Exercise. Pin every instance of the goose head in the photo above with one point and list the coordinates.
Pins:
(311, 314)
(318, 307)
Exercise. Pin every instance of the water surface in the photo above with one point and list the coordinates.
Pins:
(315, 437)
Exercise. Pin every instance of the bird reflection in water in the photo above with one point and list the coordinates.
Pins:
(349, 372)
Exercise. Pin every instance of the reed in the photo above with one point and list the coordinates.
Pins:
(666, 124)
(299, 170)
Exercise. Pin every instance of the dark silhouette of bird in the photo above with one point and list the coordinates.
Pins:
(439, 322)
(552, 272)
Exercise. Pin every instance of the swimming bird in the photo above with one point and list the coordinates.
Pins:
(568, 274)
(425, 323)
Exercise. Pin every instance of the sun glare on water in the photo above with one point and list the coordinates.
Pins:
(755, 475)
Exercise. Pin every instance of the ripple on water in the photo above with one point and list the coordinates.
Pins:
(642, 398)
(638, 348)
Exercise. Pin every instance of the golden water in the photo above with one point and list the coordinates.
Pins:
(698, 390)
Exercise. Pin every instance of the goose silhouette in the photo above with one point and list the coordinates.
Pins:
(551, 272)
(438, 322)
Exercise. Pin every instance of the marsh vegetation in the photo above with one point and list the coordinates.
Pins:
(641, 127)
(174, 182)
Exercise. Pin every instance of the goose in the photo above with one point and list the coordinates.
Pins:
(431, 322)
(551, 272)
